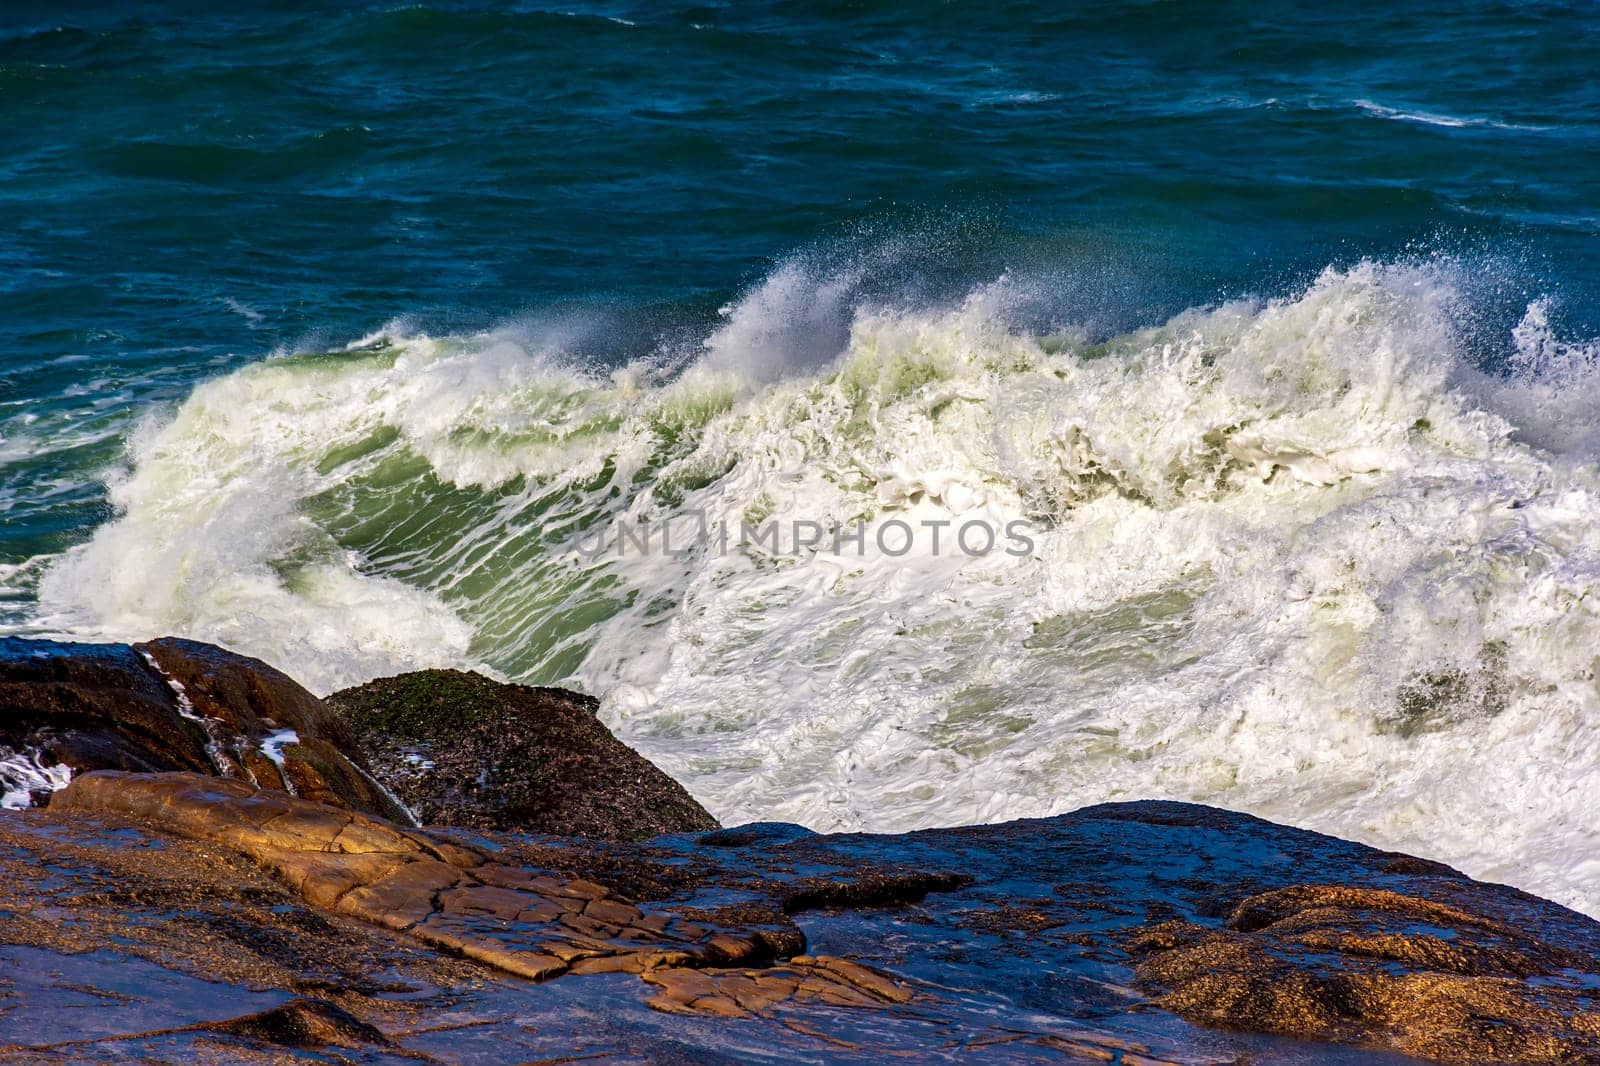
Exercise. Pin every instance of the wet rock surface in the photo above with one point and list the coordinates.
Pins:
(93, 707)
(225, 879)
(1336, 962)
(242, 697)
(176, 705)
(1142, 932)
(463, 750)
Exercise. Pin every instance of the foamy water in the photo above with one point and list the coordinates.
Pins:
(1302, 557)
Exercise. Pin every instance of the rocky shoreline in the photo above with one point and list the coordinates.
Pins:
(441, 868)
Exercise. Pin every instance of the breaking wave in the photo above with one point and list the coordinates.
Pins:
(1303, 556)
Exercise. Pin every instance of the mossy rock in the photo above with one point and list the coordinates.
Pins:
(463, 750)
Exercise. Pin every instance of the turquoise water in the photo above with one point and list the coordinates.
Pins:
(183, 192)
(323, 331)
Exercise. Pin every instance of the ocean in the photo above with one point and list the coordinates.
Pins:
(328, 333)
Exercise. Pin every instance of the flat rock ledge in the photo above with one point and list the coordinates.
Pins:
(458, 898)
(1133, 933)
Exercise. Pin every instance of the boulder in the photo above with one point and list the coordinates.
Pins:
(462, 750)
(167, 705)
(93, 706)
(291, 740)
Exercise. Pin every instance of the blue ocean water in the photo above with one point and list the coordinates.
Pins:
(185, 190)
(323, 325)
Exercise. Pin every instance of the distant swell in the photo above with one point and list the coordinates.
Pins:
(1302, 556)
(1428, 118)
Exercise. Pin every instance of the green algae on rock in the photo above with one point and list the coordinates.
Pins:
(462, 750)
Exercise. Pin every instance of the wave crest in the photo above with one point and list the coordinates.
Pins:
(1301, 556)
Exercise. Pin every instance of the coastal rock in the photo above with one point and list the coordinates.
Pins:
(462, 750)
(304, 1023)
(93, 706)
(1139, 932)
(458, 748)
(458, 897)
(1336, 962)
(292, 740)
(173, 705)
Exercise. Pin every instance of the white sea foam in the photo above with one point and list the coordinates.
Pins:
(22, 773)
(272, 746)
(1302, 557)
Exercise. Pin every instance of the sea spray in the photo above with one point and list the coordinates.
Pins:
(1306, 556)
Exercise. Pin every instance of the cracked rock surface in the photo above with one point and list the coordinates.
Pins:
(203, 916)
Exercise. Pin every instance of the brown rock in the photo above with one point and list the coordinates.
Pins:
(1368, 966)
(611, 911)
(178, 705)
(378, 872)
(149, 948)
(739, 993)
(867, 980)
(253, 700)
(93, 707)
(404, 896)
(305, 1023)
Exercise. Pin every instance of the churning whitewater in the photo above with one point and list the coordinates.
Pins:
(1303, 557)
